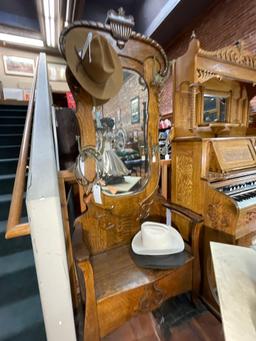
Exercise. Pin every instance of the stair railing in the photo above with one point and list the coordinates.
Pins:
(14, 227)
(45, 217)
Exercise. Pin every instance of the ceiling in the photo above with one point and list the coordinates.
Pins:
(163, 20)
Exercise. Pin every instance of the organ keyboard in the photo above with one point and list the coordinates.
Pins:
(244, 194)
(229, 178)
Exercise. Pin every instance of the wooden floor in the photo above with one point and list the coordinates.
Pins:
(177, 320)
(204, 327)
(141, 328)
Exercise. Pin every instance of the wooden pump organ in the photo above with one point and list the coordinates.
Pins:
(213, 157)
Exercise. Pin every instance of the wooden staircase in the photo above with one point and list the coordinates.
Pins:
(20, 308)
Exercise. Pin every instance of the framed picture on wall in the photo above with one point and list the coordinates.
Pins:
(57, 72)
(19, 66)
(135, 110)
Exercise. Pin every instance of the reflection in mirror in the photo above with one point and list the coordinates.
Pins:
(121, 126)
(215, 108)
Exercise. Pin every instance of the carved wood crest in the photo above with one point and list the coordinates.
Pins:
(121, 26)
(234, 54)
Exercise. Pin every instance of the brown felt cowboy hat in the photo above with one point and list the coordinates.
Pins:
(98, 70)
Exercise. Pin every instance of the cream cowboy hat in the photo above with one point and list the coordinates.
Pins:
(99, 70)
(157, 239)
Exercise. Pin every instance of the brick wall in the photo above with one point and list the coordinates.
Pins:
(221, 25)
(120, 107)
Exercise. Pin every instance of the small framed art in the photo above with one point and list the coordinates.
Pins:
(19, 66)
(135, 110)
(57, 72)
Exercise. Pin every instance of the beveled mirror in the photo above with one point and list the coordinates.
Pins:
(121, 126)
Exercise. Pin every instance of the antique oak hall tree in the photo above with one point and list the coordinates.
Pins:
(121, 168)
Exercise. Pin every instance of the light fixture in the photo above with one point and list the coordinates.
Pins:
(11, 38)
(67, 18)
(70, 12)
(49, 9)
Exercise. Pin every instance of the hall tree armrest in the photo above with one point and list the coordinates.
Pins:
(196, 221)
(86, 283)
(194, 217)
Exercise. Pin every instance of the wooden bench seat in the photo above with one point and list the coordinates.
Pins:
(123, 289)
(115, 289)
(110, 270)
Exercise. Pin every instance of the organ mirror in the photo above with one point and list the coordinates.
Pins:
(215, 107)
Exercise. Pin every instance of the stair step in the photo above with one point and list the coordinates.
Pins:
(7, 183)
(9, 152)
(18, 286)
(10, 139)
(5, 197)
(14, 246)
(2, 226)
(16, 262)
(13, 111)
(8, 166)
(11, 128)
(12, 120)
(35, 332)
(21, 316)
(5, 201)
(20, 106)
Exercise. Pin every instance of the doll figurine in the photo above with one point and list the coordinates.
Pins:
(110, 167)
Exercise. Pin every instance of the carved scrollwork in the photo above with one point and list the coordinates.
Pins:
(153, 297)
(204, 75)
(144, 210)
(250, 216)
(121, 26)
(160, 79)
(234, 54)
